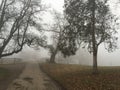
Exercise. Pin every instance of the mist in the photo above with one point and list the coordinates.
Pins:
(82, 56)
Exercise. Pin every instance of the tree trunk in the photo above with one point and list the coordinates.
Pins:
(94, 44)
(52, 58)
(4, 45)
(95, 68)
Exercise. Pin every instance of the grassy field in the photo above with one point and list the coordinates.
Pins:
(8, 72)
(4, 73)
(76, 77)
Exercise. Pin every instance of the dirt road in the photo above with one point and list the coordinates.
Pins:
(33, 78)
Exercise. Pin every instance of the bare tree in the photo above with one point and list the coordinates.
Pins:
(17, 17)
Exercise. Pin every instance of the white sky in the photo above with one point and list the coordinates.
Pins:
(56, 4)
(52, 5)
(104, 58)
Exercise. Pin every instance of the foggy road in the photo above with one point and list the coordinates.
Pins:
(33, 78)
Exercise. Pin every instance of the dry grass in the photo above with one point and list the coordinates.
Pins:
(8, 73)
(76, 77)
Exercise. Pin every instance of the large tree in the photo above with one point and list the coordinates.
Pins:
(56, 29)
(17, 18)
(90, 23)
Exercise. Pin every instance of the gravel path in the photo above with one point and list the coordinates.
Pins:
(33, 78)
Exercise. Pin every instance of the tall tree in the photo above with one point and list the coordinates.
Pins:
(90, 23)
(17, 17)
(56, 29)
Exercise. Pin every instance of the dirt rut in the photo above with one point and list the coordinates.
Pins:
(33, 78)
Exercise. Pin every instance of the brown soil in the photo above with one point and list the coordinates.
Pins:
(32, 78)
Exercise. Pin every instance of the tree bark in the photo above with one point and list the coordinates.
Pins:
(95, 68)
(52, 58)
(94, 45)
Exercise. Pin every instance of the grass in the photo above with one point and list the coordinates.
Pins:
(4, 73)
(76, 77)
(8, 73)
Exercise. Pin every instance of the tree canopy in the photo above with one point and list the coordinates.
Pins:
(89, 23)
(17, 17)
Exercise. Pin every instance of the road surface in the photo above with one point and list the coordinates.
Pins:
(33, 78)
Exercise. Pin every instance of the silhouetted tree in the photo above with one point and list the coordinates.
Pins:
(17, 17)
(90, 23)
(36, 41)
(56, 30)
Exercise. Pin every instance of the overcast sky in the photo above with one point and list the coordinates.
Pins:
(104, 58)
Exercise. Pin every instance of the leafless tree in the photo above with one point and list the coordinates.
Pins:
(17, 17)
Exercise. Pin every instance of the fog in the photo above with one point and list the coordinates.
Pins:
(82, 56)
